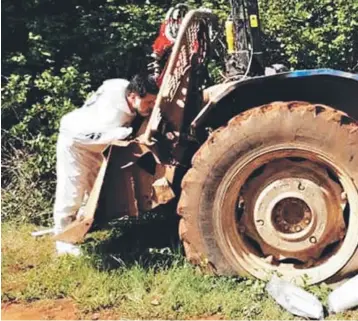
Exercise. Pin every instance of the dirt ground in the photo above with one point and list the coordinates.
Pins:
(63, 309)
(40, 310)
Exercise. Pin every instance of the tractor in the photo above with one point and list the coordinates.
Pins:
(262, 167)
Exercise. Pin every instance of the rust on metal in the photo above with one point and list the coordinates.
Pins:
(162, 192)
(211, 96)
(291, 210)
(291, 215)
(191, 47)
(248, 243)
(75, 232)
(131, 180)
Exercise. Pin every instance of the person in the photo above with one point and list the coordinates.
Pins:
(84, 133)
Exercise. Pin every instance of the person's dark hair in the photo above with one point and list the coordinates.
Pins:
(142, 85)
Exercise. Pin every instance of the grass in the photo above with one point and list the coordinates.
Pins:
(148, 284)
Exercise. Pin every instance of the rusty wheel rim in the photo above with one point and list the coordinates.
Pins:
(289, 211)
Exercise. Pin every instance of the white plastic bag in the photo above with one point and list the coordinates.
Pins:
(344, 297)
(294, 299)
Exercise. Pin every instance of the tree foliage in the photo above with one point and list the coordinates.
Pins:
(55, 52)
(313, 34)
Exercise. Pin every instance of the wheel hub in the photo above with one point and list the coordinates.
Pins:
(291, 215)
(291, 211)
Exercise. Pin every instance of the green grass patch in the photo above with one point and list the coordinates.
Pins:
(148, 284)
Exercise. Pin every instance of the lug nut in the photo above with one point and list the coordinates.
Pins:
(260, 222)
(313, 240)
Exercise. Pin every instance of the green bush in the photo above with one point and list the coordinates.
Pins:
(29, 146)
(312, 33)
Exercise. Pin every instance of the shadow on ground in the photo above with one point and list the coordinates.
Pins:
(151, 241)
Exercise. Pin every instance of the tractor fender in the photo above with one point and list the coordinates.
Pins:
(330, 87)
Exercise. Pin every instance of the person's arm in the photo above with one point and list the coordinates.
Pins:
(107, 137)
(105, 100)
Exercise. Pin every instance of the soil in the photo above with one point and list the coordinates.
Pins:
(62, 309)
(40, 310)
(65, 309)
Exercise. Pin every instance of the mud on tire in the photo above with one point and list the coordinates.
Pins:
(274, 147)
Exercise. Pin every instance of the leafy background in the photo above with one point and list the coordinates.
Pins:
(56, 52)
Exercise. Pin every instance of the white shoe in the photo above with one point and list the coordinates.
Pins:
(63, 248)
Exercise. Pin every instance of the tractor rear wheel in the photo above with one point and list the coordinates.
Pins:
(274, 191)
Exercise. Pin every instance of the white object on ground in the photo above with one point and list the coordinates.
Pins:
(43, 232)
(294, 299)
(63, 248)
(344, 297)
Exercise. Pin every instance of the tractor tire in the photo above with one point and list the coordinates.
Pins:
(274, 191)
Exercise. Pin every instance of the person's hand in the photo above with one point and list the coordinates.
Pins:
(142, 140)
(122, 133)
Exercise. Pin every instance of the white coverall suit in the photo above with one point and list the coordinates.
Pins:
(84, 133)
